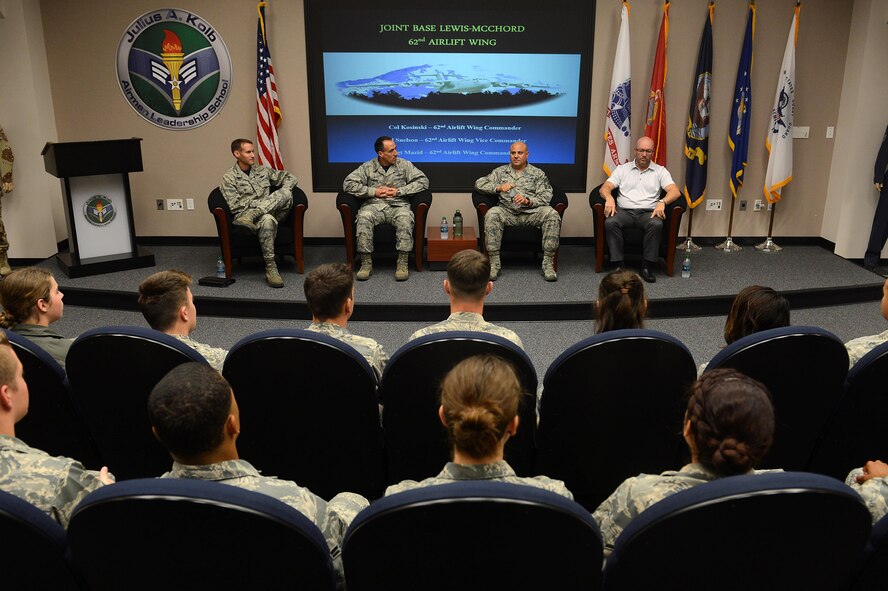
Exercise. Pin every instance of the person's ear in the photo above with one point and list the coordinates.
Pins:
(232, 426)
(5, 397)
(489, 288)
(441, 415)
(42, 306)
(512, 427)
(183, 314)
(154, 432)
(447, 287)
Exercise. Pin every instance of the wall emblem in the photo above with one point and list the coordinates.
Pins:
(173, 68)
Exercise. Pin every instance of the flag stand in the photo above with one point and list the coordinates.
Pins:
(769, 245)
(689, 245)
(729, 245)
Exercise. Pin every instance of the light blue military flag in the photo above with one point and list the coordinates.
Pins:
(741, 110)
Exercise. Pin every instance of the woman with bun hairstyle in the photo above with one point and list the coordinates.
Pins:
(31, 301)
(479, 408)
(728, 427)
(621, 301)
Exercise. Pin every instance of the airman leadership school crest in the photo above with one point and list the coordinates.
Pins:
(99, 211)
(173, 68)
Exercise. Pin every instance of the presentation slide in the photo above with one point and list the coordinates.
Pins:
(453, 85)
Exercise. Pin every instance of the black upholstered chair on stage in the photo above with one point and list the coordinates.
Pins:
(768, 531)
(804, 367)
(516, 237)
(856, 432)
(348, 206)
(416, 441)
(34, 548)
(633, 237)
(237, 242)
(473, 535)
(612, 407)
(112, 370)
(193, 534)
(309, 411)
(54, 423)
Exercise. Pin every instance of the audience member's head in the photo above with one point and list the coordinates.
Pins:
(237, 144)
(479, 406)
(30, 296)
(166, 300)
(729, 424)
(330, 291)
(193, 413)
(621, 301)
(468, 275)
(755, 309)
(13, 389)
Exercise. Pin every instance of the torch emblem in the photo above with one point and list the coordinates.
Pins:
(99, 210)
(171, 71)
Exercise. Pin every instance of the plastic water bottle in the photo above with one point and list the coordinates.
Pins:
(445, 233)
(686, 268)
(457, 224)
(220, 268)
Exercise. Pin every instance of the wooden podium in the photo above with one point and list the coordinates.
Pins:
(98, 206)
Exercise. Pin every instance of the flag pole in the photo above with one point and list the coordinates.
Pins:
(689, 245)
(769, 245)
(729, 245)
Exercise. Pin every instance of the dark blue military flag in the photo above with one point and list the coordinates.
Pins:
(741, 110)
(697, 141)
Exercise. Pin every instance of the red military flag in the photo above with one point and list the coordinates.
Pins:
(655, 126)
(268, 109)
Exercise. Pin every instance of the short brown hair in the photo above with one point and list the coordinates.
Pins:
(161, 296)
(237, 144)
(468, 273)
(480, 397)
(7, 360)
(756, 308)
(19, 293)
(326, 289)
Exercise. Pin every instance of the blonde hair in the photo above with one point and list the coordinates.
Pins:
(480, 397)
(19, 293)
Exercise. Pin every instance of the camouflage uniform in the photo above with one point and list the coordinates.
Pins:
(532, 184)
(47, 339)
(332, 518)
(468, 321)
(214, 355)
(874, 492)
(363, 182)
(498, 471)
(52, 484)
(6, 160)
(370, 349)
(857, 348)
(243, 191)
(640, 492)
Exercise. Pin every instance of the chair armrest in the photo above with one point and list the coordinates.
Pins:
(559, 201)
(424, 197)
(347, 203)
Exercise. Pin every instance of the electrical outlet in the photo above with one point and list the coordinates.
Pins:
(189, 204)
(801, 132)
(830, 132)
(757, 205)
(713, 205)
(175, 205)
(743, 205)
(160, 205)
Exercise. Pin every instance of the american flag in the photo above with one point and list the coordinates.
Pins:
(268, 109)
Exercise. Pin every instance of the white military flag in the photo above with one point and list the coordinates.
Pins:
(617, 128)
(779, 138)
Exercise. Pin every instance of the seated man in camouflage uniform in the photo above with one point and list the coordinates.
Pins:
(385, 183)
(524, 196)
(52, 484)
(167, 303)
(246, 187)
(859, 347)
(330, 294)
(193, 413)
(468, 284)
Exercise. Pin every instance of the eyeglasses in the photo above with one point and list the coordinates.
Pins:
(644, 151)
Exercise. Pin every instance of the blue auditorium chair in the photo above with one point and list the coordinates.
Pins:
(873, 573)
(34, 548)
(416, 441)
(309, 411)
(112, 370)
(192, 534)
(473, 535)
(782, 530)
(804, 367)
(54, 422)
(612, 407)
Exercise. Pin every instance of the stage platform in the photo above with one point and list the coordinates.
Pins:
(809, 276)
